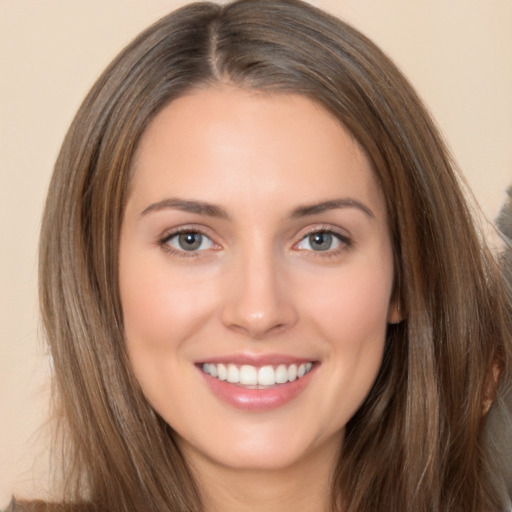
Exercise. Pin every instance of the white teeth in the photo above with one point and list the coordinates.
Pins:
(233, 375)
(281, 374)
(248, 375)
(222, 372)
(266, 376)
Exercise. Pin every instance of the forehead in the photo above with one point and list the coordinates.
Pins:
(226, 143)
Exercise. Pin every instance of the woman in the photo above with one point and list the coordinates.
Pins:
(261, 284)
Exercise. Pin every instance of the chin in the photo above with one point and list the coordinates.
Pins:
(264, 448)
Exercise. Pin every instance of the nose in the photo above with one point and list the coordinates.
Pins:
(259, 302)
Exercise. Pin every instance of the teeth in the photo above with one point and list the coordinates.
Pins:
(266, 376)
(213, 370)
(281, 374)
(233, 375)
(222, 372)
(248, 375)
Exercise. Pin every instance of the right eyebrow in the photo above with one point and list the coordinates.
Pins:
(187, 205)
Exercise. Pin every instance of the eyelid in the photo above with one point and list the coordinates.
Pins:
(169, 234)
(341, 235)
(344, 238)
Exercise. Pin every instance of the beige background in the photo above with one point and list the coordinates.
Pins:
(458, 53)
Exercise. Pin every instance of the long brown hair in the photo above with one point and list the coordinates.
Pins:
(421, 441)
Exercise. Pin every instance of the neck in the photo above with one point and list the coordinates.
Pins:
(304, 486)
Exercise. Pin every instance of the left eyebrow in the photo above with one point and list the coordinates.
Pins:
(333, 204)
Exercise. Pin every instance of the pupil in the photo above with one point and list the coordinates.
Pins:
(320, 241)
(190, 241)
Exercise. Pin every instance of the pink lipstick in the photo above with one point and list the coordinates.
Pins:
(257, 383)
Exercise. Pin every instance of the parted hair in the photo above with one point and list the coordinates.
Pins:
(427, 438)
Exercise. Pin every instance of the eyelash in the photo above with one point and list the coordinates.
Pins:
(164, 241)
(344, 241)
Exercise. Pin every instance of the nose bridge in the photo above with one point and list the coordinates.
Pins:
(258, 301)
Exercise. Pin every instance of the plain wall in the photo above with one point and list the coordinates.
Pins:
(458, 54)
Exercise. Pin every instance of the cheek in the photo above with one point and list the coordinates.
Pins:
(352, 308)
(350, 312)
(351, 321)
(162, 313)
(162, 308)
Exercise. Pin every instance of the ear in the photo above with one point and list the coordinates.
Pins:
(395, 316)
(491, 387)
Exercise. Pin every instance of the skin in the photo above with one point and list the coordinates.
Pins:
(256, 286)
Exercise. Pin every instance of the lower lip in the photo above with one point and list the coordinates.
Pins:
(257, 399)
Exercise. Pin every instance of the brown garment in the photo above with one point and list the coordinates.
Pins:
(42, 506)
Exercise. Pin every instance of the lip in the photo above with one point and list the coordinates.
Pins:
(265, 399)
(255, 359)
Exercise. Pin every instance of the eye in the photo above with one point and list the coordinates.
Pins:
(322, 241)
(188, 241)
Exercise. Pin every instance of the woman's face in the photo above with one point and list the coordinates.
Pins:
(256, 276)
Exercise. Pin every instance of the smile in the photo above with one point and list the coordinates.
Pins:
(253, 377)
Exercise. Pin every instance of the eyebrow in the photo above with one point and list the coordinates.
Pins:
(346, 202)
(212, 210)
(191, 206)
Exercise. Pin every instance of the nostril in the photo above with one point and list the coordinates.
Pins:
(257, 331)
(258, 303)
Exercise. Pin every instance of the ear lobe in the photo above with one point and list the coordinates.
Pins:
(394, 314)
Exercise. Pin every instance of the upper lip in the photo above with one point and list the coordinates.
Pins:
(256, 359)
